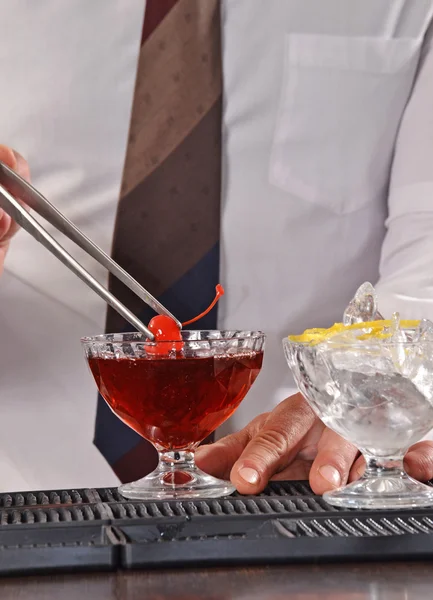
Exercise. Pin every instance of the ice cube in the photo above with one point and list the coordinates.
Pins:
(368, 360)
(345, 338)
(397, 344)
(424, 331)
(363, 306)
(419, 357)
(396, 334)
(423, 342)
(382, 412)
(346, 351)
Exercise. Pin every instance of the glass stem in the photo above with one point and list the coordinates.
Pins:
(176, 460)
(177, 468)
(383, 466)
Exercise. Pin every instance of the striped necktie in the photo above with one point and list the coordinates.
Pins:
(168, 219)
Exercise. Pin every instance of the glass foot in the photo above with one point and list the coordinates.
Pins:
(176, 477)
(382, 492)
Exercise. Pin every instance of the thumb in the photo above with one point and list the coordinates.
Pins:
(274, 445)
(8, 156)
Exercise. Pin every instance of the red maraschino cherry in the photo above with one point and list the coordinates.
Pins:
(165, 328)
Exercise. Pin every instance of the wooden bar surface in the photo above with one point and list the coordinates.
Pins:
(368, 581)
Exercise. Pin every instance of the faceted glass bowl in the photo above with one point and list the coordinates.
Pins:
(174, 394)
(379, 396)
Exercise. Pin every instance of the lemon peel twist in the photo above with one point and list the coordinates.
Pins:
(373, 330)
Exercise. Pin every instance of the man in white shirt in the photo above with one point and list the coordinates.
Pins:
(327, 179)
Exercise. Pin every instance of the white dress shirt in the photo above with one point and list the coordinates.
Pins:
(68, 70)
(319, 97)
(328, 139)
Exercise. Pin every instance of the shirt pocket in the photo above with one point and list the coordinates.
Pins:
(340, 108)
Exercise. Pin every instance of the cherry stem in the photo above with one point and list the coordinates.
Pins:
(219, 292)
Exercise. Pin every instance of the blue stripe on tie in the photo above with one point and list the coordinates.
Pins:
(112, 437)
(188, 297)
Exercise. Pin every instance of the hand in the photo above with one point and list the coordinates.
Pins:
(292, 443)
(7, 226)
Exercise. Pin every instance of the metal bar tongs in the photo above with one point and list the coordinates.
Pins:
(17, 187)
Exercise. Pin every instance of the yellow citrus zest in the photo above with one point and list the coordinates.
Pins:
(372, 330)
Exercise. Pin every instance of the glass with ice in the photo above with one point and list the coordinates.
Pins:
(371, 380)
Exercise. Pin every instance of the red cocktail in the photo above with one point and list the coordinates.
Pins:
(175, 397)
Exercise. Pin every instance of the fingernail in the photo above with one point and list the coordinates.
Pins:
(361, 470)
(249, 475)
(331, 474)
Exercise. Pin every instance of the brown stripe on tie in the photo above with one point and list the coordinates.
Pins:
(178, 82)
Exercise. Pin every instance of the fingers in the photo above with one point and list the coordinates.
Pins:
(254, 454)
(273, 446)
(15, 161)
(270, 447)
(3, 250)
(358, 469)
(5, 226)
(418, 461)
(22, 166)
(218, 459)
(7, 155)
(333, 462)
(298, 469)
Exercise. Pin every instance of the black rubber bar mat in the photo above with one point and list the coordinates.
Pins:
(97, 529)
(58, 547)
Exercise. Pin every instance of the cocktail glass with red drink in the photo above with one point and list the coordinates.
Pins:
(175, 393)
